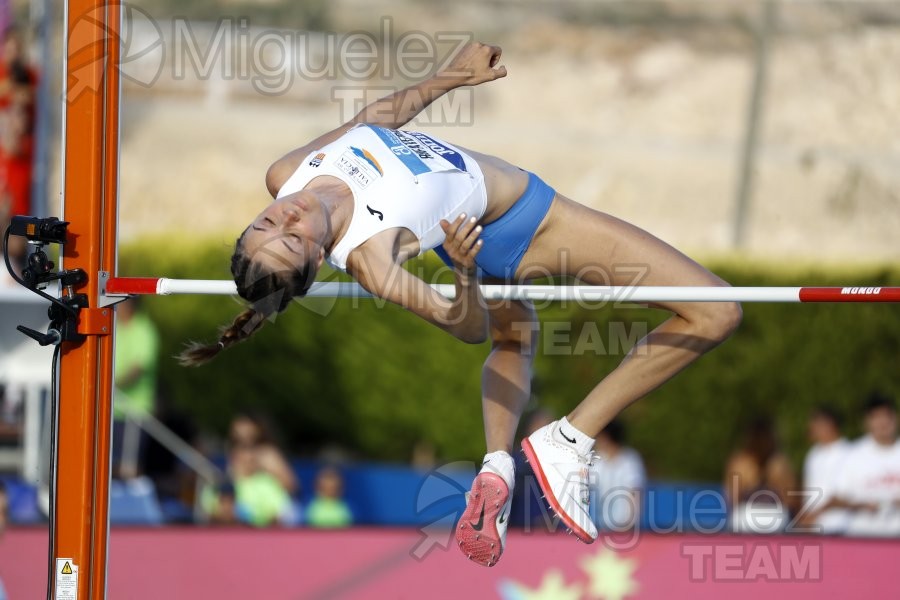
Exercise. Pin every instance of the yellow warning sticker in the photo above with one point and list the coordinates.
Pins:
(66, 586)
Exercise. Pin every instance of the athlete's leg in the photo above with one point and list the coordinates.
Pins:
(506, 376)
(577, 240)
(506, 387)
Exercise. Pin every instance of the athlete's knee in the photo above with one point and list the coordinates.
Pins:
(720, 319)
(519, 335)
(728, 316)
(515, 328)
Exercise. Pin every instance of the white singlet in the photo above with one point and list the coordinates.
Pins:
(398, 179)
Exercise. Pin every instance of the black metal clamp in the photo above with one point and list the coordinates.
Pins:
(38, 273)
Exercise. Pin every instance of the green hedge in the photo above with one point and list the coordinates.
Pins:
(376, 380)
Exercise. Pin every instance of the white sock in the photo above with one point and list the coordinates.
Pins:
(565, 433)
(502, 464)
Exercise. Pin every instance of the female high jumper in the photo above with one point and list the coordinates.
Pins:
(367, 196)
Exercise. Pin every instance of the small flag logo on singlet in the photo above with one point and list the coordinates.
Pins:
(317, 159)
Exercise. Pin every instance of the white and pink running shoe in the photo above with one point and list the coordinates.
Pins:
(481, 531)
(563, 475)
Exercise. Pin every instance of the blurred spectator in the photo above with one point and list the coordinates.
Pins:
(263, 481)
(869, 482)
(821, 468)
(618, 479)
(328, 508)
(528, 509)
(17, 113)
(424, 456)
(10, 419)
(758, 478)
(137, 355)
(172, 478)
(253, 449)
(220, 505)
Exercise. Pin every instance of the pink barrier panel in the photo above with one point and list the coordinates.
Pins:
(188, 563)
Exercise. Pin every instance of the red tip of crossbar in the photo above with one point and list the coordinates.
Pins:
(131, 285)
(850, 294)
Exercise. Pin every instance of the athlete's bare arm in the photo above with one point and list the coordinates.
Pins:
(464, 317)
(476, 63)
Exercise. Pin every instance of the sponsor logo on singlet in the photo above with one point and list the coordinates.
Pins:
(418, 152)
(317, 159)
(410, 142)
(375, 213)
(367, 156)
(360, 166)
(448, 154)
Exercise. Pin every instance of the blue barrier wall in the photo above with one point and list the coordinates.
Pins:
(381, 494)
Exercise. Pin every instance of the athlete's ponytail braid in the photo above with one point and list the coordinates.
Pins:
(244, 325)
(268, 292)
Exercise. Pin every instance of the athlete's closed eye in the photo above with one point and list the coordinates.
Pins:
(269, 224)
(297, 243)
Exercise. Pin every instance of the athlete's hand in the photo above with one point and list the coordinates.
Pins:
(462, 243)
(476, 63)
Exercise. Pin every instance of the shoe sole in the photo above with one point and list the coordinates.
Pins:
(577, 531)
(483, 546)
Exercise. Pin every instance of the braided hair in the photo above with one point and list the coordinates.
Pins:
(268, 292)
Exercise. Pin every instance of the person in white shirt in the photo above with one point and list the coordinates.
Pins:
(618, 479)
(869, 482)
(821, 469)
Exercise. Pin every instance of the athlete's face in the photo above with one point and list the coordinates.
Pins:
(289, 233)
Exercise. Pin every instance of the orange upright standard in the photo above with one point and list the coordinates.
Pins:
(89, 197)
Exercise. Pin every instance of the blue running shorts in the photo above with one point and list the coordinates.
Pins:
(507, 238)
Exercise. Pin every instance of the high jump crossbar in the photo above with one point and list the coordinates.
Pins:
(161, 286)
